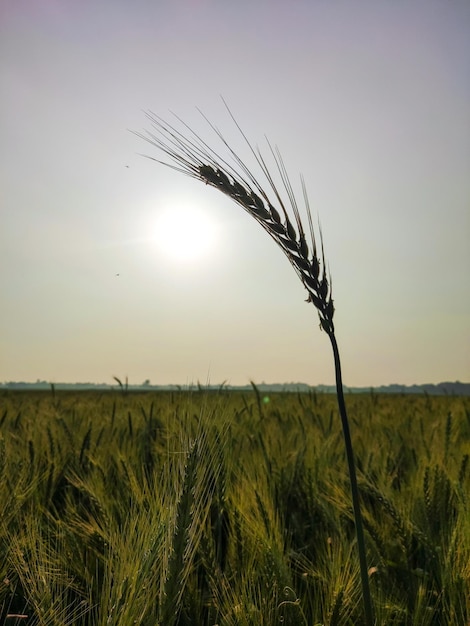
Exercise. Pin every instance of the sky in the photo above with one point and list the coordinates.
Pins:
(100, 274)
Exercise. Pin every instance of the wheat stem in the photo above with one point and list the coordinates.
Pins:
(192, 156)
(361, 544)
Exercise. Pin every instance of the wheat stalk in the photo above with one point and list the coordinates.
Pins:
(192, 156)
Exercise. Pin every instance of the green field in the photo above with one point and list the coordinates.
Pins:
(230, 508)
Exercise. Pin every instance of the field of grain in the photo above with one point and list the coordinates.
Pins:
(230, 509)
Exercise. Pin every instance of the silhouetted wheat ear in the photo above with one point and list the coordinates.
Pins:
(193, 157)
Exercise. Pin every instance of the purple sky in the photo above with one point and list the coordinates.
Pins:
(369, 100)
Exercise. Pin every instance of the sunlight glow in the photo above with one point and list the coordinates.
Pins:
(184, 234)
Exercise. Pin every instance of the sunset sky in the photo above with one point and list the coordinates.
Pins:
(369, 100)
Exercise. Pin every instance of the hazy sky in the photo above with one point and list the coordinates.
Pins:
(369, 100)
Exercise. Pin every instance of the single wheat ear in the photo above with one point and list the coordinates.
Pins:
(192, 156)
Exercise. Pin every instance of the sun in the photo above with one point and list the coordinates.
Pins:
(184, 234)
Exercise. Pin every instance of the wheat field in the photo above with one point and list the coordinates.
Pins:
(231, 508)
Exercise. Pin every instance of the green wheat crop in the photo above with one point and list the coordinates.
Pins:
(209, 511)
